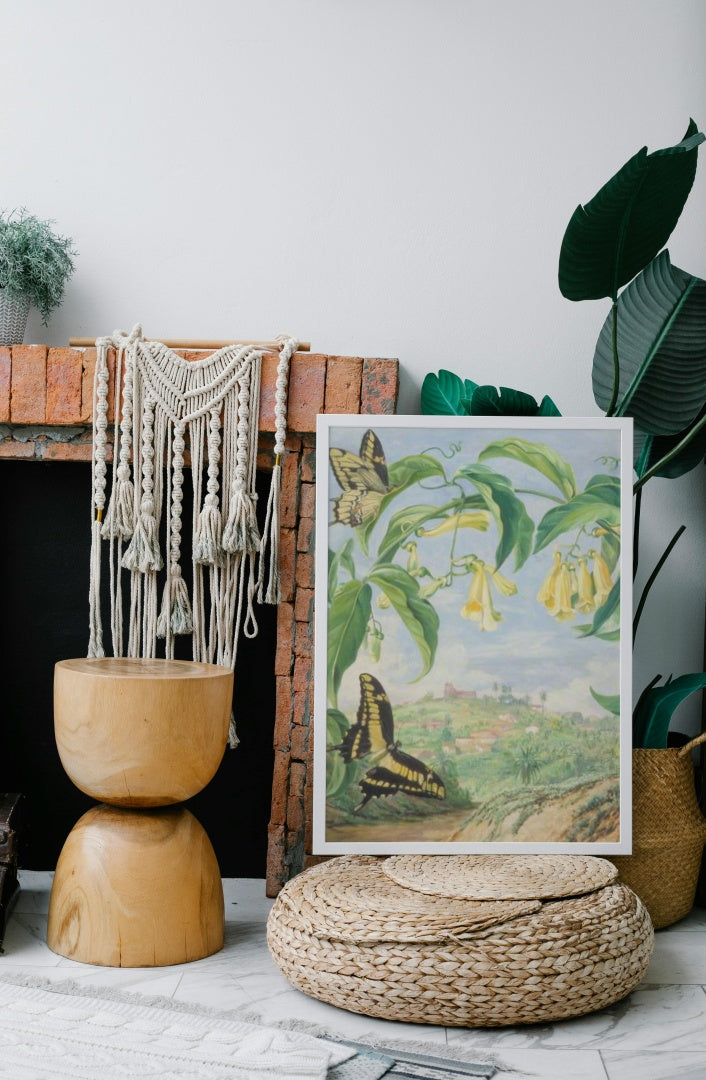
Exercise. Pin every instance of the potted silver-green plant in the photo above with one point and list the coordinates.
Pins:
(35, 264)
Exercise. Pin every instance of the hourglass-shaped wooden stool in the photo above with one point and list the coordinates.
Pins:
(137, 883)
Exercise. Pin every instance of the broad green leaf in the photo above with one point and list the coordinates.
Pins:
(337, 772)
(503, 401)
(417, 614)
(651, 449)
(584, 509)
(661, 350)
(539, 456)
(614, 236)
(609, 702)
(609, 610)
(336, 560)
(405, 523)
(654, 711)
(515, 526)
(443, 394)
(348, 616)
(402, 474)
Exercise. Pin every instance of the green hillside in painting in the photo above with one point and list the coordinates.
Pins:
(512, 769)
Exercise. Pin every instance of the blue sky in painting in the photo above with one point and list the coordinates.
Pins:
(530, 650)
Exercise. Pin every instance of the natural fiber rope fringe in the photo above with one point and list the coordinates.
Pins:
(158, 399)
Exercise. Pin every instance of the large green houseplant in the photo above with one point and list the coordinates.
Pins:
(35, 264)
(650, 358)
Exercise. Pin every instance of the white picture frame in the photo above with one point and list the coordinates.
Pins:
(473, 635)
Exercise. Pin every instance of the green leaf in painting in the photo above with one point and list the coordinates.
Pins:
(614, 236)
(417, 614)
(405, 523)
(609, 702)
(539, 456)
(348, 616)
(661, 341)
(503, 401)
(336, 769)
(336, 560)
(515, 526)
(584, 509)
(442, 394)
(401, 474)
(654, 711)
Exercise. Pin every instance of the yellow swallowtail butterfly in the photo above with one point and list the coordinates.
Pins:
(363, 478)
(373, 733)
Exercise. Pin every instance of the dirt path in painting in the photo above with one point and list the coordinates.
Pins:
(552, 822)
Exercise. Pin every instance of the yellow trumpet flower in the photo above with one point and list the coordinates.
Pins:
(470, 519)
(501, 583)
(602, 581)
(547, 588)
(586, 592)
(555, 591)
(412, 558)
(479, 603)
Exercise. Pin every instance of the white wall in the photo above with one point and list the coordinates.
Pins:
(385, 178)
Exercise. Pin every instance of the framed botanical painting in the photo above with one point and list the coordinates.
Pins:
(473, 635)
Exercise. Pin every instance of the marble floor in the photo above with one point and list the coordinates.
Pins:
(658, 1033)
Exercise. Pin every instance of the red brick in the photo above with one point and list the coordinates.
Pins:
(302, 708)
(289, 499)
(307, 500)
(292, 444)
(297, 779)
(284, 654)
(305, 571)
(300, 738)
(64, 378)
(89, 368)
(28, 384)
(304, 605)
(303, 640)
(306, 391)
(379, 386)
(280, 786)
(275, 859)
(314, 860)
(5, 374)
(287, 562)
(343, 381)
(54, 451)
(308, 464)
(11, 448)
(283, 713)
(295, 816)
(306, 534)
(302, 674)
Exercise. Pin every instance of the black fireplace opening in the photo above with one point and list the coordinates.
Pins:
(44, 561)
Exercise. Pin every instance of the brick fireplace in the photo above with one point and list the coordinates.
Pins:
(46, 414)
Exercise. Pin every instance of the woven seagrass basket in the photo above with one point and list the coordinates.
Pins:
(349, 934)
(669, 832)
(13, 318)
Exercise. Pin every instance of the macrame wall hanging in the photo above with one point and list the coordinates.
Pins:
(161, 400)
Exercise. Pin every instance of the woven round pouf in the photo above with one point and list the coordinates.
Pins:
(347, 933)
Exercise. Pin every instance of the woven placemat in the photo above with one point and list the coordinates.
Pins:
(358, 902)
(500, 877)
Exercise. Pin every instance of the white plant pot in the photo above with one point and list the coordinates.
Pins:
(13, 318)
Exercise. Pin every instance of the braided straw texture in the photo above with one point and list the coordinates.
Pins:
(362, 904)
(501, 877)
(13, 318)
(668, 832)
(568, 958)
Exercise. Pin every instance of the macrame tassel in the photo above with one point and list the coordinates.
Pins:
(120, 517)
(273, 593)
(208, 548)
(95, 640)
(241, 532)
(143, 552)
(175, 614)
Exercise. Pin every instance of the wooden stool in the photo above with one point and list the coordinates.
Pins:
(137, 886)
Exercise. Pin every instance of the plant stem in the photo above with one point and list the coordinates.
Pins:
(636, 533)
(691, 433)
(616, 365)
(542, 495)
(651, 579)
